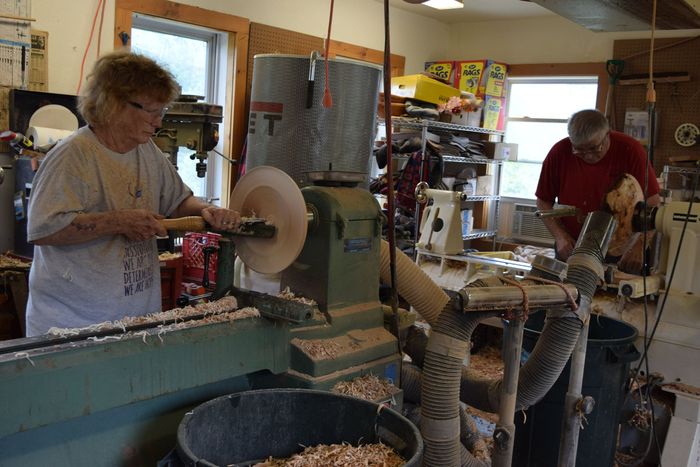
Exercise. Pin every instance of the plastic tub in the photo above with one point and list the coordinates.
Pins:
(244, 428)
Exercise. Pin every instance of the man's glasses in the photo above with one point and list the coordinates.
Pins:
(153, 113)
(591, 149)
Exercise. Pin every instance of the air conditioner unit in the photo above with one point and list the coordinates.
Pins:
(529, 228)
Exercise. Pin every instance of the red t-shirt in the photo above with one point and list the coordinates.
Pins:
(569, 180)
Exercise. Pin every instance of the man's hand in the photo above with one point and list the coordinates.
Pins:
(221, 219)
(564, 245)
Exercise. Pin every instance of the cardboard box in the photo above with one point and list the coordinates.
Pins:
(501, 151)
(468, 76)
(495, 79)
(422, 88)
(494, 113)
(484, 185)
(481, 77)
(443, 69)
(472, 119)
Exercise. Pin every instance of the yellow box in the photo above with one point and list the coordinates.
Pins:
(468, 76)
(495, 79)
(442, 70)
(422, 88)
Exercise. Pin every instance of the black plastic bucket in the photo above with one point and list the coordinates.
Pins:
(609, 352)
(247, 427)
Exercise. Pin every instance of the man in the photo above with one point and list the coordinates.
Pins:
(579, 171)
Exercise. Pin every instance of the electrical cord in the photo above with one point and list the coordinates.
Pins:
(87, 46)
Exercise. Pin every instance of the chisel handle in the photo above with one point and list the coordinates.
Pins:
(188, 223)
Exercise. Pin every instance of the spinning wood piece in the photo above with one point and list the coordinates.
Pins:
(620, 201)
(269, 193)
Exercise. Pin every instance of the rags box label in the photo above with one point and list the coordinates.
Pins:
(468, 76)
(442, 70)
(496, 79)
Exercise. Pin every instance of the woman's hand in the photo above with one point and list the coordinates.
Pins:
(221, 219)
(139, 224)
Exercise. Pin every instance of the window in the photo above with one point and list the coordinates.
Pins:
(193, 55)
(537, 111)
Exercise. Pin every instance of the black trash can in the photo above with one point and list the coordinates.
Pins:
(609, 352)
(240, 429)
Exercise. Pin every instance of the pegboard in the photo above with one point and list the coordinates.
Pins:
(676, 103)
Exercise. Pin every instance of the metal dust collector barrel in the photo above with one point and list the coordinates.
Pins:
(290, 129)
(609, 352)
(244, 428)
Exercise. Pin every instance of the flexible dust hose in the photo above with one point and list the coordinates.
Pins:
(414, 285)
(469, 436)
(445, 353)
(556, 342)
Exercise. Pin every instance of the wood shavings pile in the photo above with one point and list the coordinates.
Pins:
(10, 262)
(318, 348)
(340, 455)
(487, 363)
(287, 294)
(216, 311)
(368, 387)
(167, 256)
(483, 448)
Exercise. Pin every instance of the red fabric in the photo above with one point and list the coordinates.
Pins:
(569, 180)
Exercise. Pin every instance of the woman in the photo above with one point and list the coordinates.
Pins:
(97, 199)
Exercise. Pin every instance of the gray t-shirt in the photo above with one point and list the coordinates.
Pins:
(109, 277)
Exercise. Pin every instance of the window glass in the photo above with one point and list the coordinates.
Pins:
(550, 99)
(187, 59)
(184, 57)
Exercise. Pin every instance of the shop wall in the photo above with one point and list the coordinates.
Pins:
(548, 39)
(359, 22)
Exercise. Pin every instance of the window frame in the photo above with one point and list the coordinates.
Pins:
(236, 64)
(558, 70)
(214, 93)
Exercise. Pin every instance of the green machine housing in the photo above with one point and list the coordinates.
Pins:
(118, 401)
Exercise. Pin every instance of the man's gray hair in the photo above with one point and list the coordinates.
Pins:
(587, 126)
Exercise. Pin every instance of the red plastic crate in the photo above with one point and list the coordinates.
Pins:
(193, 245)
(170, 282)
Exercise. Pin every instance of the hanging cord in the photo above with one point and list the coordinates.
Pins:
(327, 98)
(647, 398)
(99, 30)
(391, 233)
(87, 46)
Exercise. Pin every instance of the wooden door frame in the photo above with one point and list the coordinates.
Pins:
(238, 29)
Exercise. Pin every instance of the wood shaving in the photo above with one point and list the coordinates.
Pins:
(340, 455)
(216, 311)
(487, 363)
(10, 262)
(368, 387)
(287, 294)
(483, 448)
(686, 388)
(318, 348)
(167, 256)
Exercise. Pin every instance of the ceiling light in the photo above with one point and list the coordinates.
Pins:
(444, 4)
